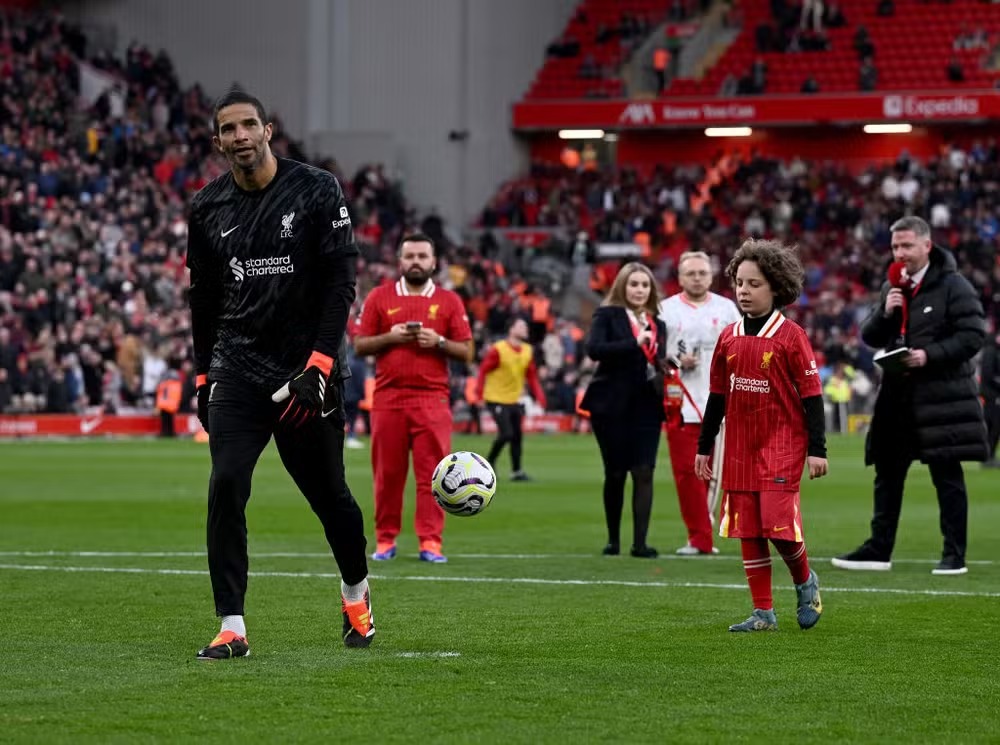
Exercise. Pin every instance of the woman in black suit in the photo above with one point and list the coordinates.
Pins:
(625, 398)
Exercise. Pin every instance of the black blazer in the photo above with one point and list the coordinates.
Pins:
(620, 378)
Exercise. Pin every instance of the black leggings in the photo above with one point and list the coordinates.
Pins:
(242, 419)
(509, 419)
(642, 503)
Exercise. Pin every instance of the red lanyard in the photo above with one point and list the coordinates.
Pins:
(649, 349)
(906, 306)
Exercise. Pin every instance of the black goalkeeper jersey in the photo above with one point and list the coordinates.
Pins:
(272, 274)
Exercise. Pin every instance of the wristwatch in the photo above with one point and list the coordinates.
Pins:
(442, 342)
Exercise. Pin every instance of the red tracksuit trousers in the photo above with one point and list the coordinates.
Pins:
(426, 430)
(692, 492)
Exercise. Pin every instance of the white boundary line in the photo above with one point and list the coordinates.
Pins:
(492, 557)
(493, 580)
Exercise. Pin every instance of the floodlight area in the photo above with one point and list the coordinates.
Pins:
(581, 134)
(728, 131)
(888, 129)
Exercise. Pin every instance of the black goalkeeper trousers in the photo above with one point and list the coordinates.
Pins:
(241, 420)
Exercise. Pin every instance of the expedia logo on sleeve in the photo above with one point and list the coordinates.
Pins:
(344, 220)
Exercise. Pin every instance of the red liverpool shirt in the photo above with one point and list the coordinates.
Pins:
(764, 379)
(405, 374)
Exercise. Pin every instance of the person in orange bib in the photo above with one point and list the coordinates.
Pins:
(509, 363)
(168, 402)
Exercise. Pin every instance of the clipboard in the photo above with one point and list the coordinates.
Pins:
(892, 361)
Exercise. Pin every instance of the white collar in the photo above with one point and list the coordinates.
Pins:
(917, 278)
(401, 288)
(771, 325)
(637, 318)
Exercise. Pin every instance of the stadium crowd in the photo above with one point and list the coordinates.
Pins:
(838, 217)
(93, 310)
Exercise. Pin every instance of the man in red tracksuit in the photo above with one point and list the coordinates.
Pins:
(412, 327)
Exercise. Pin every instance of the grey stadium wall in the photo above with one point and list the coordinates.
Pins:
(365, 80)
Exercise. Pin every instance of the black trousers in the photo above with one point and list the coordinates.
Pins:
(351, 415)
(509, 419)
(242, 419)
(167, 424)
(953, 502)
(992, 411)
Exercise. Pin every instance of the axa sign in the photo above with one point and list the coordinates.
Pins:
(638, 113)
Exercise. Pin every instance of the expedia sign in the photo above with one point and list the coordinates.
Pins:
(926, 107)
(817, 108)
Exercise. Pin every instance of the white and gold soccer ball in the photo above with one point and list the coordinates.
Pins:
(463, 483)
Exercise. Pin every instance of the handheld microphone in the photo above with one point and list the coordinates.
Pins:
(899, 280)
(897, 275)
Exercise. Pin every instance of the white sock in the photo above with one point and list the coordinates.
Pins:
(354, 593)
(234, 624)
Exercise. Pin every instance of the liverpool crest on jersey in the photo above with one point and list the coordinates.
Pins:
(286, 225)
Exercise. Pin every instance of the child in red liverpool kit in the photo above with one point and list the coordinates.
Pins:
(764, 381)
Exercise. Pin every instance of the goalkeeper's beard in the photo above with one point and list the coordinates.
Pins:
(417, 276)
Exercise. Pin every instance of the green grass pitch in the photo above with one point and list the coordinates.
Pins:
(527, 635)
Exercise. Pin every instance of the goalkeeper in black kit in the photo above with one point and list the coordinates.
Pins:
(272, 258)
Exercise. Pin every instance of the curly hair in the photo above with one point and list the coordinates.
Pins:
(779, 264)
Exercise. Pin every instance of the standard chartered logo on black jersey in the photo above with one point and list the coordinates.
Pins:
(261, 267)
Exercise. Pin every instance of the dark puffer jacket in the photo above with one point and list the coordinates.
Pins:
(936, 407)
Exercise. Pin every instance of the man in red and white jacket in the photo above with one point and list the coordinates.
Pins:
(694, 318)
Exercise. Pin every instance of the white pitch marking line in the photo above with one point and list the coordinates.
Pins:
(110, 554)
(493, 580)
(491, 557)
(418, 655)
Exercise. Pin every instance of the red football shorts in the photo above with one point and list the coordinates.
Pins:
(761, 514)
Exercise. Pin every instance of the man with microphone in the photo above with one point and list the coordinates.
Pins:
(927, 408)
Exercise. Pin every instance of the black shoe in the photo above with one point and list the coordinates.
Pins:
(225, 646)
(864, 558)
(950, 565)
(644, 552)
(991, 463)
(520, 476)
(612, 549)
